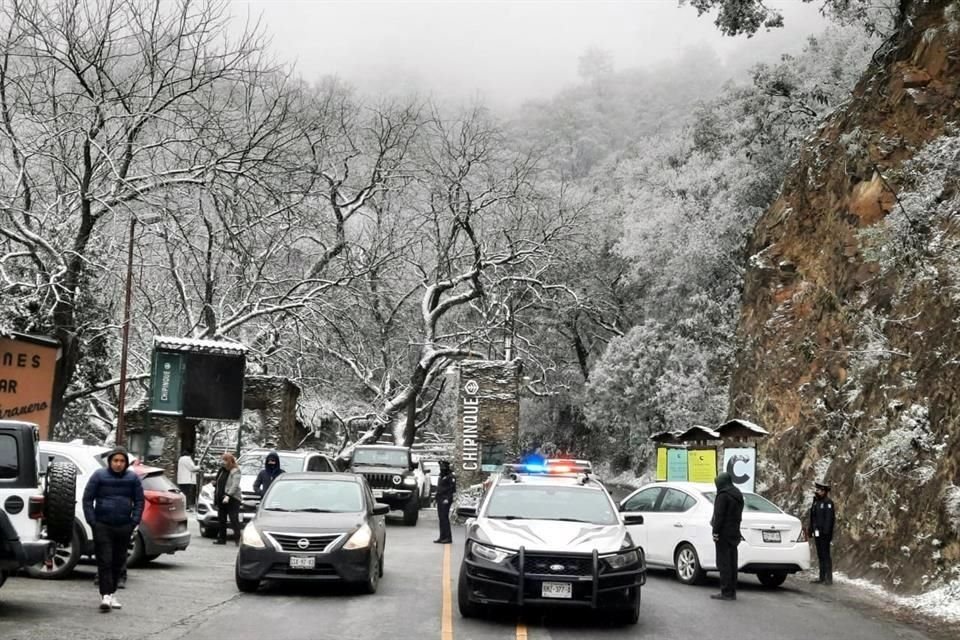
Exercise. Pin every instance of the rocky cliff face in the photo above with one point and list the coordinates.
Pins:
(849, 338)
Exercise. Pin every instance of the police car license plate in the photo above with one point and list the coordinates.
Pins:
(771, 536)
(556, 590)
(377, 493)
(302, 562)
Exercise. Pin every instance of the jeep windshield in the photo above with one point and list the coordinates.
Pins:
(543, 502)
(252, 463)
(381, 458)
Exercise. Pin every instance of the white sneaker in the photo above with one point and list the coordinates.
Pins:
(114, 603)
(105, 603)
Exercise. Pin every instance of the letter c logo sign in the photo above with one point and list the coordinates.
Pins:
(731, 469)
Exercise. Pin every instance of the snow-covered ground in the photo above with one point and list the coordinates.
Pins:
(942, 603)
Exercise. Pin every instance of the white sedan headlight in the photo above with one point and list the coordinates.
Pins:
(489, 553)
(622, 560)
(251, 537)
(360, 538)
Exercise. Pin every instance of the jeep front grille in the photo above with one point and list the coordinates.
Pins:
(381, 480)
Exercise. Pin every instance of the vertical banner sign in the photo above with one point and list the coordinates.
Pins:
(166, 383)
(741, 464)
(702, 465)
(661, 463)
(488, 417)
(28, 365)
(677, 465)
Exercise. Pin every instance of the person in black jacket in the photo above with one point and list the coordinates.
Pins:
(727, 514)
(822, 518)
(112, 506)
(271, 469)
(446, 488)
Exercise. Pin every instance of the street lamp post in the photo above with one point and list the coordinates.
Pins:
(124, 348)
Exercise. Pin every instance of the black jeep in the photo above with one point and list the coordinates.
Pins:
(32, 517)
(396, 480)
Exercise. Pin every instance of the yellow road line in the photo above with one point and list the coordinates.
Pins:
(521, 631)
(446, 621)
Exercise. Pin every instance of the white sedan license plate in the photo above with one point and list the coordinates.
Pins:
(377, 493)
(302, 562)
(557, 590)
(771, 536)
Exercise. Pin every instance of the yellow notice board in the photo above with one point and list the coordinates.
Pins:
(702, 465)
(661, 463)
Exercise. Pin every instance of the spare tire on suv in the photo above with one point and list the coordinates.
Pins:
(59, 501)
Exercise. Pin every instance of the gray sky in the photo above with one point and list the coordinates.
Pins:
(507, 51)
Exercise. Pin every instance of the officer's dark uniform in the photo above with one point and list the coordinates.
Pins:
(822, 519)
(446, 488)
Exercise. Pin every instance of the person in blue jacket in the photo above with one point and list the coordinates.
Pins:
(112, 506)
(271, 469)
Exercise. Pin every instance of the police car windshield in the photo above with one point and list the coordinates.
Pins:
(751, 502)
(252, 463)
(544, 502)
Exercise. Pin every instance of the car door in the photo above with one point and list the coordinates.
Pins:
(643, 502)
(676, 509)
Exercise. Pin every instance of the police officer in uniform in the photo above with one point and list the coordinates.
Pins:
(446, 488)
(822, 518)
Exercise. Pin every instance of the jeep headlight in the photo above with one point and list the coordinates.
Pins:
(360, 538)
(410, 481)
(622, 560)
(490, 554)
(251, 537)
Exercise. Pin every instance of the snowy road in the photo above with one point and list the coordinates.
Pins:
(192, 595)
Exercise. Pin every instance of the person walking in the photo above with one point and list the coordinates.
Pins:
(112, 506)
(727, 515)
(187, 478)
(822, 518)
(446, 489)
(228, 498)
(271, 469)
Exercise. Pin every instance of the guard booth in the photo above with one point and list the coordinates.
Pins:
(700, 453)
(191, 380)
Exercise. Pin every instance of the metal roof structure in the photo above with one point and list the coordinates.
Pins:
(698, 432)
(193, 345)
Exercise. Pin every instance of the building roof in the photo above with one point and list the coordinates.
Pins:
(171, 343)
(744, 424)
(698, 432)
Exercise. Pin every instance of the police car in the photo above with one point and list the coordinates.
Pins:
(550, 539)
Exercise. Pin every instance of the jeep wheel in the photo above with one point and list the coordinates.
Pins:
(411, 512)
(60, 497)
(630, 615)
(65, 558)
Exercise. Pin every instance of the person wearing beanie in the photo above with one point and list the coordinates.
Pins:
(727, 515)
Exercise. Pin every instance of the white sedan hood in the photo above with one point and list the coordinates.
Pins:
(550, 535)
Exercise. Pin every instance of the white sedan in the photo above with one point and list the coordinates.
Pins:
(676, 533)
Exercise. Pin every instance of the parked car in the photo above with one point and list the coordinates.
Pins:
(431, 469)
(314, 527)
(155, 537)
(676, 533)
(251, 462)
(395, 476)
(35, 514)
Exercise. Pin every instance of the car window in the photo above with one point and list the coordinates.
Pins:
(252, 463)
(384, 457)
(318, 463)
(158, 482)
(314, 495)
(9, 459)
(545, 502)
(643, 501)
(45, 460)
(675, 501)
(751, 502)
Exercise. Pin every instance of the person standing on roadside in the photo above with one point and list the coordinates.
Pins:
(187, 478)
(112, 506)
(446, 489)
(228, 498)
(727, 515)
(822, 518)
(271, 469)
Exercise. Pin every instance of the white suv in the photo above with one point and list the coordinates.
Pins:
(32, 516)
(540, 539)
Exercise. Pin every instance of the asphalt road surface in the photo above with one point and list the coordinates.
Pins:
(192, 595)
